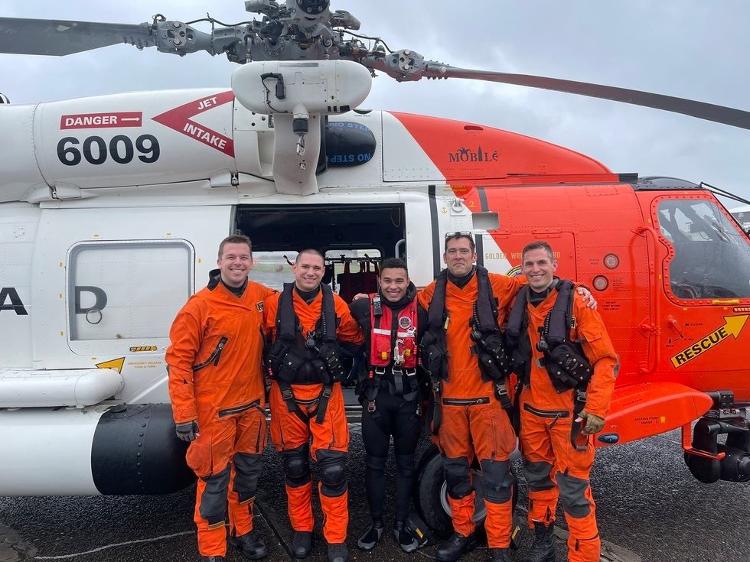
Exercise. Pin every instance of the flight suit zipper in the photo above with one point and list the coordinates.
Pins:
(465, 401)
(546, 413)
(215, 355)
(238, 409)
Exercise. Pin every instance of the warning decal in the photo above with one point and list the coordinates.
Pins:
(102, 120)
(732, 327)
(180, 120)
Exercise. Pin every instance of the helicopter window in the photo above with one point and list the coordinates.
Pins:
(353, 238)
(116, 290)
(711, 255)
(273, 269)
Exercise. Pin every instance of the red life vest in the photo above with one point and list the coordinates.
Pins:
(386, 348)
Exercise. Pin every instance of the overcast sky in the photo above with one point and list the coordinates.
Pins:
(696, 49)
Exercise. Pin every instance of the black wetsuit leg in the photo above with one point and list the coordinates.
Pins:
(393, 416)
(376, 434)
(405, 438)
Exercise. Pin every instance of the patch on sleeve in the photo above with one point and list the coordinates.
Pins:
(259, 306)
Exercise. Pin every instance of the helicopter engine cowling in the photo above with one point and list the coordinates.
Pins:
(105, 449)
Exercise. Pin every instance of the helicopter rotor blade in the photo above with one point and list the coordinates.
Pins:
(61, 37)
(701, 110)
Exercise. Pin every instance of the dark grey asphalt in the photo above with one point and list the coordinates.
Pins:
(647, 503)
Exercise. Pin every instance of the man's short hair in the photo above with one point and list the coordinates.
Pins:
(309, 251)
(538, 245)
(394, 263)
(235, 239)
(457, 236)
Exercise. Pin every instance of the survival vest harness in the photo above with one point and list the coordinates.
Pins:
(294, 359)
(564, 360)
(393, 343)
(485, 333)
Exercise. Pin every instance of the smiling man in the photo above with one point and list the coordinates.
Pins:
(217, 392)
(464, 354)
(389, 392)
(308, 326)
(566, 364)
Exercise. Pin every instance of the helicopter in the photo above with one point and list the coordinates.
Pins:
(112, 206)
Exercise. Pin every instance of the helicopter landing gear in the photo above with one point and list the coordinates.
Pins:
(708, 459)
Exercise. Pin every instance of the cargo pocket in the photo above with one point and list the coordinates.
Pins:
(199, 457)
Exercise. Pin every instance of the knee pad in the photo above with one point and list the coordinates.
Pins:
(332, 473)
(497, 480)
(247, 469)
(573, 495)
(214, 498)
(375, 463)
(405, 465)
(296, 466)
(537, 475)
(457, 477)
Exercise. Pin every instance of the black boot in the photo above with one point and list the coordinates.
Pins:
(251, 545)
(337, 552)
(301, 544)
(371, 536)
(543, 549)
(452, 549)
(404, 538)
(500, 555)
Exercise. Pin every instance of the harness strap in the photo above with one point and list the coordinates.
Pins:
(560, 319)
(437, 408)
(325, 396)
(286, 319)
(291, 403)
(485, 306)
(579, 402)
(293, 406)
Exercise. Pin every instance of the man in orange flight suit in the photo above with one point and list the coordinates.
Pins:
(555, 442)
(217, 392)
(307, 324)
(474, 422)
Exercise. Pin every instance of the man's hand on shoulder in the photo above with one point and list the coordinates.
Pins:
(588, 298)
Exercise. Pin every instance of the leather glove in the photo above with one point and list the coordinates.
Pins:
(594, 424)
(187, 431)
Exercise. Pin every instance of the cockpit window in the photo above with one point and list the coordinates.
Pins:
(712, 256)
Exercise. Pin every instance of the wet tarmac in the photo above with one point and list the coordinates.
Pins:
(649, 508)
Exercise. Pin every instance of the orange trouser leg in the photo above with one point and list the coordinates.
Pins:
(335, 516)
(482, 431)
(539, 466)
(455, 446)
(299, 507)
(572, 477)
(494, 441)
(209, 456)
(499, 524)
(330, 443)
(290, 436)
(462, 511)
(250, 443)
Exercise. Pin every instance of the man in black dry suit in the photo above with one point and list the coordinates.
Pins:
(389, 391)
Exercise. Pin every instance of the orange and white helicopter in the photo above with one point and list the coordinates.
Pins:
(111, 209)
